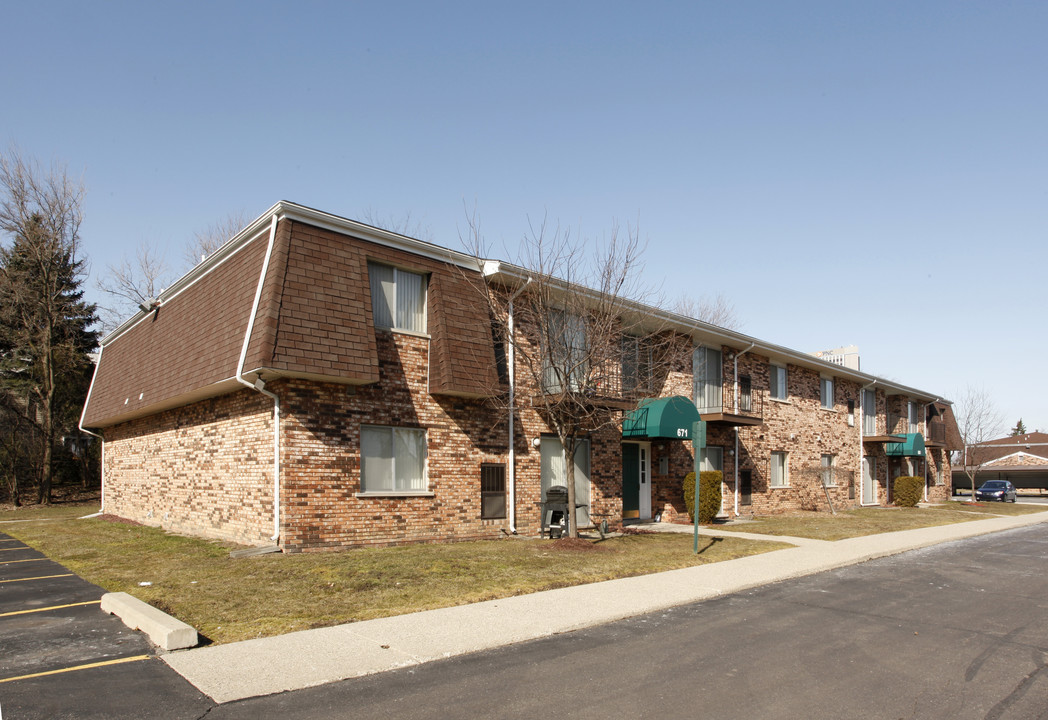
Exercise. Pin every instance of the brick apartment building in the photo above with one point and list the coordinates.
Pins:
(319, 383)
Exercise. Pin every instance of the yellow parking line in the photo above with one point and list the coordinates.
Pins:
(45, 609)
(40, 577)
(12, 562)
(118, 661)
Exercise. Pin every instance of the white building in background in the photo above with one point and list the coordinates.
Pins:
(847, 356)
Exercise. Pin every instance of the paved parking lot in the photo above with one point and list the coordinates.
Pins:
(63, 657)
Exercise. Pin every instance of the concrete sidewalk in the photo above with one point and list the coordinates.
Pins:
(315, 657)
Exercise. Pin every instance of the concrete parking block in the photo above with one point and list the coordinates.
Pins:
(165, 631)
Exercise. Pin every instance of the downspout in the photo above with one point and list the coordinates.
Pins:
(510, 367)
(736, 372)
(260, 386)
(862, 419)
(87, 401)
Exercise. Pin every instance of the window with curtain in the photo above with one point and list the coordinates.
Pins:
(869, 412)
(398, 298)
(779, 475)
(915, 420)
(564, 366)
(829, 464)
(706, 368)
(392, 459)
(826, 393)
(637, 363)
(778, 382)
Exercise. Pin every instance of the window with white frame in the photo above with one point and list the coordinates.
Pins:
(826, 393)
(778, 389)
(915, 420)
(869, 412)
(398, 298)
(392, 459)
(779, 474)
(707, 382)
(829, 470)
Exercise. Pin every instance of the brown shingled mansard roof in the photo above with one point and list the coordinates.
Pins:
(313, 321)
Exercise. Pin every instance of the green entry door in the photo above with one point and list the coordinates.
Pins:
(630, 484)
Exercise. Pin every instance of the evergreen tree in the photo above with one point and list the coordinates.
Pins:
(1019, 428)
(45, 334)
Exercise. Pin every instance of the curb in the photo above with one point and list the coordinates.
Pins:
(164, 630)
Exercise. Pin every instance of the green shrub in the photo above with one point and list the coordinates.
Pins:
(908, 491)
(709, 494)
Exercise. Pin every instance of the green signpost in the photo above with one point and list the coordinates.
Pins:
(698, 442)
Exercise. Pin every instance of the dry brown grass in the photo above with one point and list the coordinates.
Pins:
(234, 599)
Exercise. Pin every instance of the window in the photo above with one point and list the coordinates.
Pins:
(779, 476)
(392, 460)
(564, 354)
(637, 363)
(869, 412)
(915, 420)
(706, 370)
(554, 471)
(778, 382)
(829, 470)
(398, 298)
(745, 393)
(826, 393)
(492, 492)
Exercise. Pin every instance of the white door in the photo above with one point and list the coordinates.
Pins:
(645, 481)
(711, 457)
(554, 472)
(869, 486)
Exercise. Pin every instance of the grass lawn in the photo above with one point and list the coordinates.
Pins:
(871, 521)
(227, 600)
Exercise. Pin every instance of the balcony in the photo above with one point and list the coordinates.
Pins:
(748, 411)
(936, 434)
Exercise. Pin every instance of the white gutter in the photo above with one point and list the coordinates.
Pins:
(736, 373)
(87, 401)
(259, 385)
(511, 366)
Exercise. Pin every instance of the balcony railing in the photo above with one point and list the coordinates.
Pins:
(750, 402)
(937, 432)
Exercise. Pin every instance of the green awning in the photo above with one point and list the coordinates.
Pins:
(666, 417)
(912, 446)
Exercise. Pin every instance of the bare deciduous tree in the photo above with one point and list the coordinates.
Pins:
(131, 284)
(44, 338)
(717, 310)
(403, 225)
(582, 351)
(979, 421)
(213, 237)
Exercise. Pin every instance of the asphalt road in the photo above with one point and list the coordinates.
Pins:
(955, 631)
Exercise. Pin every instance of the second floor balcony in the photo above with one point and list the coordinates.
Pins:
(722, 404)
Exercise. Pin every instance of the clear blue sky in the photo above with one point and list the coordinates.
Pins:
(870, 173)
